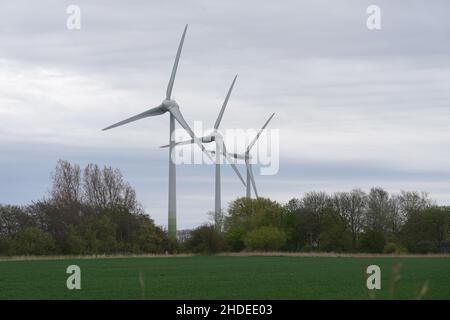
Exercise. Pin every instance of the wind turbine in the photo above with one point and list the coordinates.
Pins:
(247, 157)
(169, 105)
(216, 136)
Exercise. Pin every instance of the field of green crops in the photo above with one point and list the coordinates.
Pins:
(227, 277)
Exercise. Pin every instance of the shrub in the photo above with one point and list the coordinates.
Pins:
(425, 246)
(265, 239)
(205, 239)
(393, 248)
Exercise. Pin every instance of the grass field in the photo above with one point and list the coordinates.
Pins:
(226, 277)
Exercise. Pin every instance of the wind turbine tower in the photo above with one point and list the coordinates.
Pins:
(171, 106)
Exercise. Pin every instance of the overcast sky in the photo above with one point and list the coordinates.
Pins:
(354, 107)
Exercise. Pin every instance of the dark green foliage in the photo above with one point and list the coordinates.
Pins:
(205, 239)
(372, 242)
(334, 236)
(234, 237)
(30, 241)
(296, 229)
(426, 230)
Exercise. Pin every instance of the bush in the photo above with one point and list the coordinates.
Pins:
(205, 239)
(394, 248)
(425, 246)
(265, 239)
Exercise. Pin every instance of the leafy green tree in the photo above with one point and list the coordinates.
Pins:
(426, 230)
(100, 234)
(234, 237)
(245, 215)
(266, 238)
(255, 212)
(55, 218)
(31, 241)
(149, 238)
(335, 235)
(76, 243)
(296, 228)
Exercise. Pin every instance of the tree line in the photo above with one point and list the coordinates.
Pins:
(355, 221)
(89, 211)
(95, 211)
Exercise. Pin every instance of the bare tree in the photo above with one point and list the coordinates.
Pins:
(107, 189)
(217, 219)
(351, 208)
(342, 206)
(411, 202)
(318, 203)
(395, 217)
(66, 183)
(12, 219)
(378, 208)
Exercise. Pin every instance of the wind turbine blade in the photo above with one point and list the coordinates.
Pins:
(175, 66)
(230, 161)
(259, 133)
(149, 113)
(180, 143)
(252, 179)
(179, 117)
(219, 118)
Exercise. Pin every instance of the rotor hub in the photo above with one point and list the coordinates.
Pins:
(169, 104)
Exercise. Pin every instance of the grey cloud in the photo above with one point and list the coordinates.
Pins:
(354, 107)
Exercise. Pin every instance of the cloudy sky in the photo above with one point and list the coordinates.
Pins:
(354, 107)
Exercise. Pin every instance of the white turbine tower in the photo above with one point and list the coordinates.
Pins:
(169, 105)
(216, 136)
(247, 158)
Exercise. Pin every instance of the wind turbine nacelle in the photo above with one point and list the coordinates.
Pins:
(240, 156)
(208, 139)
(169, 104)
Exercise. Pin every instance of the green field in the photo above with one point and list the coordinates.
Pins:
(226, 277)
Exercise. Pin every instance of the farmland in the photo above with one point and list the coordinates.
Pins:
(227, 277)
